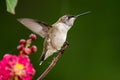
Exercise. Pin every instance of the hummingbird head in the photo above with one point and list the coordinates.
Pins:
(69, 19)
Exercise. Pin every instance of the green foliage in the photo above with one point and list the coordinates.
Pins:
(11, 4)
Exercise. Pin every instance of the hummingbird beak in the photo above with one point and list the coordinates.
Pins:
(82, 14)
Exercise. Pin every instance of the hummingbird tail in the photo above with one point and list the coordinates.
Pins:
(41, 62)
(46, 55)
(42, 59)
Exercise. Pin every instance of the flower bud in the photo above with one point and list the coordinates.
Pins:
(27, 51)
(34, 49)
(22, 41)
(20, 47)
(32, 37)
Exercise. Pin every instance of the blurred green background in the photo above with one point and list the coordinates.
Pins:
(94, 39)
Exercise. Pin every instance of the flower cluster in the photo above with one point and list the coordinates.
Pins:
(16, 67)
(13, 67)
(24, 46)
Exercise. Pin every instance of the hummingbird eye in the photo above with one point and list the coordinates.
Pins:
(70, 16)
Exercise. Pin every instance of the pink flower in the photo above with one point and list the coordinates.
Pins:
(12, 66)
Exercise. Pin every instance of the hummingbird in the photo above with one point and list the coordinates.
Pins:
(54, 35)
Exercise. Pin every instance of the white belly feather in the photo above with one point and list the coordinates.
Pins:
(59, 36)
(59, 40)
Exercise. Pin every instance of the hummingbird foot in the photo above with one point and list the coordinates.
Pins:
(66, 43)
(62, 51)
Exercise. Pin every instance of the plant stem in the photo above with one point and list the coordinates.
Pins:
(54, 61)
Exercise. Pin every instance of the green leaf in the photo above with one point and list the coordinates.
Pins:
(11, 4)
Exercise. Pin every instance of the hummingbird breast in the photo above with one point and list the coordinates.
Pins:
(58, 37)
(59, 40)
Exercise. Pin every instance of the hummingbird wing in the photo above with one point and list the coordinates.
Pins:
(37, 27)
